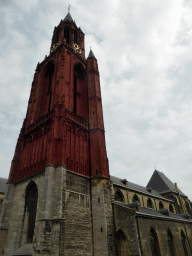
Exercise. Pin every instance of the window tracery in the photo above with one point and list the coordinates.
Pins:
(136, 199)
(149, 203)
(161, 206)
(119, 196)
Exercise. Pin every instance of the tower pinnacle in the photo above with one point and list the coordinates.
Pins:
(91, 54)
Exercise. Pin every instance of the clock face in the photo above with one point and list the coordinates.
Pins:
(54, 47)
(77, 48)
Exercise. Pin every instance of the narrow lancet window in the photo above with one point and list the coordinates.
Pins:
(170, 243)
(30, 209)
(75, 95)
(75, 37)
(48, 76)
(67, 35)
(184, 242)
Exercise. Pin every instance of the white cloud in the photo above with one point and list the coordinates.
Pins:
(144, 51)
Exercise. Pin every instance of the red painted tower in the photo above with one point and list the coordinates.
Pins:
(58, 199)
(64, 120)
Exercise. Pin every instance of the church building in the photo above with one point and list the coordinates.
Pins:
(60, 199)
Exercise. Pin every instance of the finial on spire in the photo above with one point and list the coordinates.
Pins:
(69, 8)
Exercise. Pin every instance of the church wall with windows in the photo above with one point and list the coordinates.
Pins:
(130, 196)
(162, 228)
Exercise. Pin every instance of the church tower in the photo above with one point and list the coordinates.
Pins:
(58, 197)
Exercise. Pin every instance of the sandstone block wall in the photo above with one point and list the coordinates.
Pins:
(103, 221)
(3, 237)
(77, 214)
(125, 220)
(63, 220)
(161, 226)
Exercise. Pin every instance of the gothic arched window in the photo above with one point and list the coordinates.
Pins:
(161, 206)
(119, 196)
(78, 84)
(171, 208)
(136, 199)
(49, 73)
(154, 243)
(121, 243)
(47, 89)
(30, 209)
(184, 243)
(149, 203)
(75, 94)
(170, 243)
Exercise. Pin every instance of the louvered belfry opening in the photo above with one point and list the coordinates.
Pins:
(67, 35)
(75, 37)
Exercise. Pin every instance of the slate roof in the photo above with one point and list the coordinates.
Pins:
(149, 212)
(162, 184)
(153, 212)
(3, 185)
(91, 54)
(138, 188)
(68, 18)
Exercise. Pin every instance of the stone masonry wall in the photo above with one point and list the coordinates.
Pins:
(125, 221)
(161, 226)
(15, 237)
(103, 221)
(3, 237)
(77, 214)
(63, 220)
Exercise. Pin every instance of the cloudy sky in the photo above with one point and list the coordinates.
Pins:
(144, 52)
